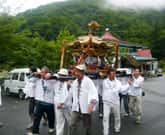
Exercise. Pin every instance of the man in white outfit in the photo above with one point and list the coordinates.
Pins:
(111, 101)
(135, 92)
(123, 78)
(62, 109)
(85, 96)
(44, 96)
(29, 91)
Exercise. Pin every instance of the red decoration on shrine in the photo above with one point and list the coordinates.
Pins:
(144, 52)
(108, 36)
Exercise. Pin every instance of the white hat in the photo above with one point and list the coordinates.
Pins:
(63, 71)
(81, 67)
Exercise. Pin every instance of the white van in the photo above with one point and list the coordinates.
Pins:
(128, 71)
(16, 81)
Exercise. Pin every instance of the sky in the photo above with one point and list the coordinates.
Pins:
(16, 6)
(156, 4)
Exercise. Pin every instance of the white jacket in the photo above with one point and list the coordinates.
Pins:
(88, 92)
(61, 94)
(124, 85)
(29, 89)
(135, 89)
(47, 95)
(111, 90)
(58, 86)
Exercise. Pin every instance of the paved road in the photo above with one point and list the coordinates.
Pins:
(14, 114)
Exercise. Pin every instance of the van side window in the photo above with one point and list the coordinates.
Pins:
(15, 76)
(22, 77)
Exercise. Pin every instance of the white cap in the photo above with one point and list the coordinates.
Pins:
(81, 67)
(63, 71)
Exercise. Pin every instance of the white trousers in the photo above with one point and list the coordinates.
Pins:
(135, 106)
(62, 116)
(115, 109)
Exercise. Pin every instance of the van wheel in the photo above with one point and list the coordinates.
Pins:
(7, 91)
(21, 94)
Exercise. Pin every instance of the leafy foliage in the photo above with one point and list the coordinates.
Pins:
(35, 36)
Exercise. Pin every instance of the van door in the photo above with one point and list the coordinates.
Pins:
(22, 82)
(14, 83)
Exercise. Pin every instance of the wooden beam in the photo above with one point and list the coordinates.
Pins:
(62, 57)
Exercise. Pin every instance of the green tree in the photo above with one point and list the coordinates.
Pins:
(63, 38)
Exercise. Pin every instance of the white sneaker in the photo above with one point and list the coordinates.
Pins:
(30, 126)
(29, 133)
(117, 130)
(138, 121)
(126, 115)
(1, 124)
(51, 130)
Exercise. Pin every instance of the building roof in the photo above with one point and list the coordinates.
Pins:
(108, 36)
(129, 44)
(140, 58)
(144, 59)
(144, 52)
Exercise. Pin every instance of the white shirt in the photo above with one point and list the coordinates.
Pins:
(135, 89)
(45, 91)
(88, 92)
(57, 90)
(124, 85)
(29, 89)
(111, 90)
(62, 95)
(61, 92)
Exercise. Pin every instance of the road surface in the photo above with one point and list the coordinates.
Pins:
(14, 115)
